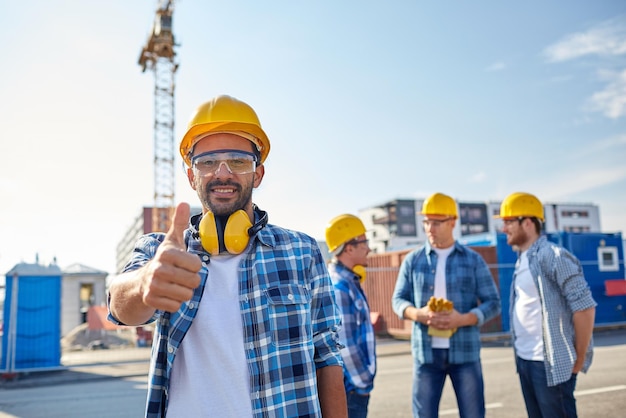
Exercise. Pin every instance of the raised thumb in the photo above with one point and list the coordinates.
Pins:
(180, 221)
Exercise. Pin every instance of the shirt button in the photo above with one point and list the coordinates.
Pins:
(170, 350)
(191, 305)
(290, 297)
(251, 346)
(205, 258)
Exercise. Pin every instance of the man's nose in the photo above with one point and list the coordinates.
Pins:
(223, 171)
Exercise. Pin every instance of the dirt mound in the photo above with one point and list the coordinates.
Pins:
(82, 338)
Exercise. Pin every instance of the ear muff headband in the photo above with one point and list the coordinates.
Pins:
(236, 232)
(208, 233)
(360, 271)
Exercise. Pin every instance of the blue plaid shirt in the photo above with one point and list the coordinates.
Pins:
(289, 316)
(562, 290)
(468, 281)
(357, 331)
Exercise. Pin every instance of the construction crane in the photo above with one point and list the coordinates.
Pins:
(158, 55)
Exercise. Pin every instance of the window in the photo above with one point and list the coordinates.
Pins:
(574, 213)
(607, 259)
(576, 229)
(473, 218)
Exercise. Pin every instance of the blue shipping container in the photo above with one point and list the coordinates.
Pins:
(601, 256)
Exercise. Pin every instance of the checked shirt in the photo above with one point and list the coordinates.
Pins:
(289, 316)
(356, 333)
(563, 290)
(468, 281)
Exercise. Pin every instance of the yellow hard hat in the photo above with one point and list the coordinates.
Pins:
(224, 114)
(342, 229)
(439, 204)
(520, 205)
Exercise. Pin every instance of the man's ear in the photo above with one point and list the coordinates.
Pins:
(258, 175)
(191, 178)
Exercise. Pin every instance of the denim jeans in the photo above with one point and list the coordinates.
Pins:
(467, 381)
(357, 405)
(543, 401)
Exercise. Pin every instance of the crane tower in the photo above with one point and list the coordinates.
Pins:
(158, 55)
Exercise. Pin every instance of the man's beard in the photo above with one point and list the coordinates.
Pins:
(518, 238)
(218, 208)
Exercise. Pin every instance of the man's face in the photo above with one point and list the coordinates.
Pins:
(515, 233)
(359, 249)
(439, 229)
(224, 192)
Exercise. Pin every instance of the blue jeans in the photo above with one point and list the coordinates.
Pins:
(543, 401)
(467, 381)
(357, 405)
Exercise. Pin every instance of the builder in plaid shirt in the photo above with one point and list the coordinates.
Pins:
(246, 322)
(445, 343)
(345, 236)
(552, 312)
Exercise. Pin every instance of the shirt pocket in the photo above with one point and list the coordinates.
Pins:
(290, 318)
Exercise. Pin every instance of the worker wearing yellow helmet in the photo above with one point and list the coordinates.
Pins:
(518, 207)
(552, 311)
(346, 240)
(446, 332)
(224, 114)
(259, 296)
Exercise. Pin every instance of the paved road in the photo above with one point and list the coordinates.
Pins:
(118, 389)
(600, 393)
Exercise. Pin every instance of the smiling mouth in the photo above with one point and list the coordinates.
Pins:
(217, 188)
(223, 190)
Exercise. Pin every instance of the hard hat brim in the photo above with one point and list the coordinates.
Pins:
(200, 131)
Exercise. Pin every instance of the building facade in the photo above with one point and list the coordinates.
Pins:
(397, 224)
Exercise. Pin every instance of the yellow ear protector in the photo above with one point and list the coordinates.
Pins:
(231, 234)
(359, 270)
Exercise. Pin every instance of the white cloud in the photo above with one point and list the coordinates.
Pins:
(613, 145)
(605, 39)
(562, 78)
(496, 66)
(479, 177)
(611, 101)
(577, 182)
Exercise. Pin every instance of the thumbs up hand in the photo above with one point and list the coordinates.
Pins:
(172, 275)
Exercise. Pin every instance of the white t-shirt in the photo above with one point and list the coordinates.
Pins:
(440, 288)
(210, 373)
(527, 317)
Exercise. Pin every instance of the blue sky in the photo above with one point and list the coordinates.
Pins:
(363, 101)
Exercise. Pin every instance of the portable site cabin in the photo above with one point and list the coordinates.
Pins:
(82, 288)
(32, 318)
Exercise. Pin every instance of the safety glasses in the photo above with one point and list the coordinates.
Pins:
(434, 222)
(236, 162)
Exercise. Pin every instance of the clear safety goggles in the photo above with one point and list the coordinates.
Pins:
(435, 222)
(236, 162)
